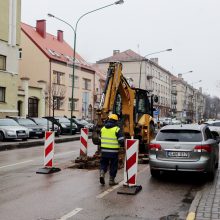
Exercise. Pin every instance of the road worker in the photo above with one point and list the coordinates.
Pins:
(111, 140)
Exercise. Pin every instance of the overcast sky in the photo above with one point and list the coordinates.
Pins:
(190, 27)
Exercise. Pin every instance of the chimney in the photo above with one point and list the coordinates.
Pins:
(155, 60)
(60, 36)
(116, 52)
(41, 28)
(180, 76)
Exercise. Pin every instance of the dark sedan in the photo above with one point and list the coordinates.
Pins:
(63, 123)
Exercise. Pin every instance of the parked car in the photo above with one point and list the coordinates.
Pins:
(88, 124)
(34, 129)
(165, 121)
(47, 125)
(79, 124)
(176, 122)
(192, 148)
(214, 125)
(10, 129)
(63, 123)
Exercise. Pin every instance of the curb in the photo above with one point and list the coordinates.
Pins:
(192, 210)
(20, 145)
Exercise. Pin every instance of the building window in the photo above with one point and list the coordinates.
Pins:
(20, 53)
(76, 81)
(57, 102)
(2, 62)
(33, 107)
(58, 78)
(2, 94)
(75, 104)
(87, 84)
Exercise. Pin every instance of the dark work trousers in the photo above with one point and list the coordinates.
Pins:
(112, 162)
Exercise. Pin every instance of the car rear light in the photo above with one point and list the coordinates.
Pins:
(154, 147)
(203, 148)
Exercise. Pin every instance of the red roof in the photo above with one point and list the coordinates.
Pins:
(52, 48)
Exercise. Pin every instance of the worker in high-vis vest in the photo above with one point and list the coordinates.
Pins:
(111, 140)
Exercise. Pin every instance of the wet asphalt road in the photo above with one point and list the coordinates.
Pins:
(75, 194)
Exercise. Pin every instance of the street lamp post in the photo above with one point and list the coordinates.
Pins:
(74, 47)
(144, 60)
(186, 72)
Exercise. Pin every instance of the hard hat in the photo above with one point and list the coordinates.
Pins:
(113, 116)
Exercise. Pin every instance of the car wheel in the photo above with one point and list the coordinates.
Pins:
(2, 137)
(211, 173)
(24, 139)
(155, 173)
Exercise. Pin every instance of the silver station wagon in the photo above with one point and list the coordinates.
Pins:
(10, 129)
(192, 148)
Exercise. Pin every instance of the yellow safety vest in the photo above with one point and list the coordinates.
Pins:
(109, 139)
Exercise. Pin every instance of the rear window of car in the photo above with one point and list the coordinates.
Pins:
(179, 135)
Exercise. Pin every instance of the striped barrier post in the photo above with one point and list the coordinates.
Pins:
(49, 149)
(84, 142)
(48, 154)
(130, 168)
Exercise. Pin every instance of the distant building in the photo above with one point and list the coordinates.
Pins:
(187, 103)
(145, 74)
(46, 73)
(10, 16)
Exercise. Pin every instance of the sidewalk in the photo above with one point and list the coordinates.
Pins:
(206, 204)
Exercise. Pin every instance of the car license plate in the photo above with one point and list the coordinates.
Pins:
(38, 132)
(180, 154)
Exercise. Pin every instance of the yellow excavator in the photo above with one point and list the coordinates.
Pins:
(133, 106)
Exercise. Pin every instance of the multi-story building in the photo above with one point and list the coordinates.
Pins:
(144, 74)
(187, 102)
(10, 16)
(46, 72)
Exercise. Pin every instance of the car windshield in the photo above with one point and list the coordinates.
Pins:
(82, 121)
(41, 121)
(25, 121)
(179, 135)
(63, 120)
(8, 122)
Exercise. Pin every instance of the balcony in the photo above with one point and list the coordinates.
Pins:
(149, 77)
(173, 102)
(174, 92)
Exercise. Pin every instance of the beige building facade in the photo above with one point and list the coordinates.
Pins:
(188, 103)
(46, 73)
(10, 16)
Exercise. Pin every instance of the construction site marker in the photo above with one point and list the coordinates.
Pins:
(84, 142)
(48, 155)
(130, 168)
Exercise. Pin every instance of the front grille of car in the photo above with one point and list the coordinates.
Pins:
(20, 132)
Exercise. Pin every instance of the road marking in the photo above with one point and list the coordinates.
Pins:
(15, 164)
(70, 214)
(101, 195)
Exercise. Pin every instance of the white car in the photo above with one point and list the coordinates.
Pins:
(10, 129)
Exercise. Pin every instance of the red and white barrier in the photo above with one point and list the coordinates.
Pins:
(49, 149)
(84, 142)
(130, 170)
